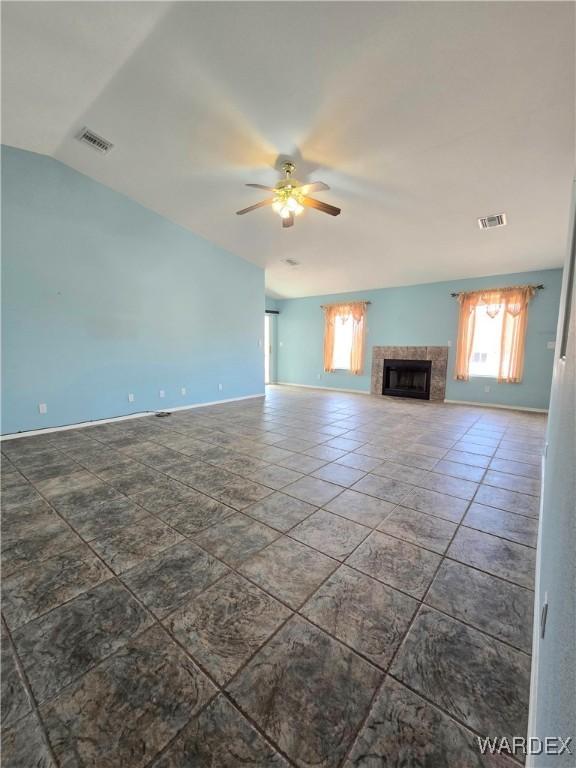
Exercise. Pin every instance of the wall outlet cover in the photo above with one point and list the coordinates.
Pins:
(487, 388)
(551, 345)
(220, 387)
(183, 391)
(42, 408)
(130, 397)
(162, 393)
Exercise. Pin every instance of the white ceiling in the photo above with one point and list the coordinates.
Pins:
(421, 116)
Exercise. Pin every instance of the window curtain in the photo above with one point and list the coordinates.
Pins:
(354, 312)
(513, 302)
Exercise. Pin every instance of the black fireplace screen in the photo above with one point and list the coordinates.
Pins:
(407, 378)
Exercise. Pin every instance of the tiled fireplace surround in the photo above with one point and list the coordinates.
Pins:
(437, 355)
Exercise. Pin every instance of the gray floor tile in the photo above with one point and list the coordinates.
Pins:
(236, 538)
(361, 508)
(410, 475)
(438, 504)
(105, 517)
(472, 459)
(384, 488)
(339, 474)
(280, 511)
(404, 731)
(42, 586)
(497, 607)
(510, 482)
(225, 625)
(162, 496)
(196, 514)
(33, 533)
(313, 490)
(128, 708)
(475, 678)
(128, 546)
(289, 570)
(366, 615)
(516, 468)
(62, 645)
(331, 534)
(396, 563)
(419, 528)
(14, 696)
(302, 463)
(24, 745)
(357, 461)
(221, 737)
(462, 471)
(275, 477)
(299, 686)
(452, 486)
(510, 561)
(167, 580)
(240, 493)
(508, 525)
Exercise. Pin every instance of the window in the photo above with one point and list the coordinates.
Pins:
(485, 357)
(492, 333)
(341, 356)
(344, 331)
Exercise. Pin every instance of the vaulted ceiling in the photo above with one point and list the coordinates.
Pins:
(421, 116)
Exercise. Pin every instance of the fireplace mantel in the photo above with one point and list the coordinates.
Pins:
(438, 356)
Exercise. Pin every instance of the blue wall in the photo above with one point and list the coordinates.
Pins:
(422, 315)
(102, 297)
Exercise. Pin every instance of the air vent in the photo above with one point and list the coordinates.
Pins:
(291, 262)
(93, 140)
(489, 222)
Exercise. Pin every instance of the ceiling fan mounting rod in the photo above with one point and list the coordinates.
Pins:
(288, 169)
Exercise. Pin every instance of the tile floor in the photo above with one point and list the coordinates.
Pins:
(314, 579)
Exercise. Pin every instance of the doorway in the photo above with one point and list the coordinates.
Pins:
(267, 347)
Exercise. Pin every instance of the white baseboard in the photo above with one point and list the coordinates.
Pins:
(332, 389)
(496, 405)
(113, 419)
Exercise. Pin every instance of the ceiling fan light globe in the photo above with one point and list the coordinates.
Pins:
(277, 206)
(285, 212)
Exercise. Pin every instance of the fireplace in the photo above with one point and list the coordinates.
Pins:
(407, 378)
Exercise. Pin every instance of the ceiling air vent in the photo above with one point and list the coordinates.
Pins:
(291, 262)
(489, 222)
(93, 140)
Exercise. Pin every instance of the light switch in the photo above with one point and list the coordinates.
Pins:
(551, 345)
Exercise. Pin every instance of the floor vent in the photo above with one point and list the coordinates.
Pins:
(489, 222)
(93, 140)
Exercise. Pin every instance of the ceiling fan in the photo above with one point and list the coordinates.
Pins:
(291, 197)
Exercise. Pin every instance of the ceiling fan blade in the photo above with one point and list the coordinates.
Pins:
(261, 186)
(288, 221)
(257, 205)
(310, 202)
(314, 186)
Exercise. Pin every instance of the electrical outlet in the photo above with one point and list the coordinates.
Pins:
(183, 391)
(130, 397)
(42, 408)
(162, 393)
(220, 387)
(449, 343)
(319, 375)
(487, 388)
(260, 342)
